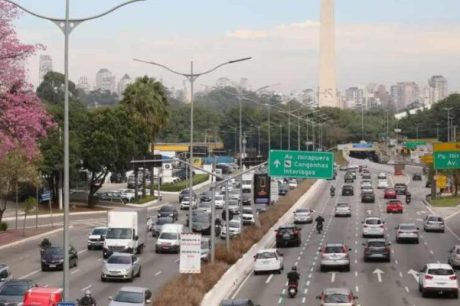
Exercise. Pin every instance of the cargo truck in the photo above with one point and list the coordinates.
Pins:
(126, 232)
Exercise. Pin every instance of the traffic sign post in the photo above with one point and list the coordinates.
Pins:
(301, 164)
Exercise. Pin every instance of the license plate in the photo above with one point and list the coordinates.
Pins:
(440, 283)
(52, 266)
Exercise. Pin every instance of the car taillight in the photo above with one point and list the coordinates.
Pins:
(428, 277)
(381, 225)
(400, 232)
(365, 225)
(387, 249)
(453, 277)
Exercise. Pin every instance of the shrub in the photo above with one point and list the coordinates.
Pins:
(3, 226)
(197, 179)
(192, 291)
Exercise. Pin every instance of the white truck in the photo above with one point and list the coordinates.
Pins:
(246, 182)
(126, 232)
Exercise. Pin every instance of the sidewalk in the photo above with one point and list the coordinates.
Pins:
(13, 236)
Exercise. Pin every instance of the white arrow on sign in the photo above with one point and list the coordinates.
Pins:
(277, 163)
(414, 273)
(379, 274)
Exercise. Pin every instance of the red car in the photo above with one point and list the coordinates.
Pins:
(395, 206)
(389, 193)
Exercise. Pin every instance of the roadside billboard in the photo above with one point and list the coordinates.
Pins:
(190, 253)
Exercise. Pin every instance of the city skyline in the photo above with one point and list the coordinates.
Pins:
(283, 39)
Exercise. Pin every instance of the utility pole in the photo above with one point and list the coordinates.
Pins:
(448, 109)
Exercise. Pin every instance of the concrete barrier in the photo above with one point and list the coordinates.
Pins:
(234, 276)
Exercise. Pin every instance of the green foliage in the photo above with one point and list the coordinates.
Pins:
(197, 179)
(29, 204)
(145, 200)
(98, 98)
(3, 226)
(51, 89)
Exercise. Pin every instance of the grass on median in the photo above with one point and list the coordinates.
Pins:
(144, 200)
(446, 201)
(197, 179)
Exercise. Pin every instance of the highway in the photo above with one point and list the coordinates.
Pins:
(375, 283)
(24, 259)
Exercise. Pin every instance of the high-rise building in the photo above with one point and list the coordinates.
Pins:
(83, 84)
(123, 83)
(223, 82)
(354, 96)
(438, 88)
(105, 80)
(45, 66)
(327, 92)
(409, 93)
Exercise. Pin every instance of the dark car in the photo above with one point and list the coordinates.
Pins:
(238, 302)
(206, 196)
(400, 188)
(347, 190)
(377, 249)
(201, 223)
(428, 184)
(246, 199)
(283, 189)
(288, 235)
(12, 292)
(185, 193)
(417, 177)
(53, 258)
(348, 178)
(367, 197)
(168, 211)
(158, 225)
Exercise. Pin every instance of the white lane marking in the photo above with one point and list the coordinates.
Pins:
(29, 274)
(296, 263)
(407, 289)
(269, 279)
(158, 273)
(333, 277)
(396, 261)
(452, 215)
(241, 286)
(307, 284)
(356, 261)
(309, 275)
(379, 274)
(87, 287)
(356, 273)
(280, 300)
(303, 300)
(400, 274)
(431, 252)
(357, 289)
(75, 271)
(415, 274)
(99, 259)
(82, 251)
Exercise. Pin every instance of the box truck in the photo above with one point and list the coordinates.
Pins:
(126, 232)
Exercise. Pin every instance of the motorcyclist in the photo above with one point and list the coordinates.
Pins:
(46, 243)
(87, 299)
(332, 190)
(319, 222)
(293, 276)
(408, 197)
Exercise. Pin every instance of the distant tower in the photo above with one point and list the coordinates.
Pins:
(327, 93)
(45, 66)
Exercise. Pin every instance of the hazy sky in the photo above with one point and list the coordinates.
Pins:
(382, 41)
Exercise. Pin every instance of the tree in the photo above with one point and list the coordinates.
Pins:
(110, 141)
(29, 204)
(146, 103)
(99, 98)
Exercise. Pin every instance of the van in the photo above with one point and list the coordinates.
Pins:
(41, 296)
(169, 238)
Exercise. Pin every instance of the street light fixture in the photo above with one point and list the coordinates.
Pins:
(191, 77)
(67, 25)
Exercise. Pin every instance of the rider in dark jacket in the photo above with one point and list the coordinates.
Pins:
(87, 300)
(293, 276)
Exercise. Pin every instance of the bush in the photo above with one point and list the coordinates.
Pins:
(3, 226)
(211, 273)
(197, 179)
(144, 200)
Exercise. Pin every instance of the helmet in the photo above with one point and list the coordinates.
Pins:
(294, 268)
(88, 293)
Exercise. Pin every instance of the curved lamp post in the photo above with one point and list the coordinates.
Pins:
(67, 25)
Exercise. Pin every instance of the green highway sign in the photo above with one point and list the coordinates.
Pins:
(301, 164)
(446, 160)
(412, 145)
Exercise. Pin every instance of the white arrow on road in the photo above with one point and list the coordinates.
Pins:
(414, 273)
(277, 163)
(379, 274)
(333, 277)
(369, 211)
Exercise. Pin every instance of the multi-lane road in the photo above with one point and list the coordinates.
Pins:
(375, 283)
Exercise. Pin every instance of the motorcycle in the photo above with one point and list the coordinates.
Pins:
(292, 290)
(86, 301)
(408, 200)
(319, 227)
(332, 193)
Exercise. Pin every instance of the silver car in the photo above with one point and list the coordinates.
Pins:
(407, 232)
(342, 209)
(434, 224)
(303, 215)
(131, 296)
(335, 255)
(454, 257)
(122, 266)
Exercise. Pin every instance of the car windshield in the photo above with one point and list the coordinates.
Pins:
(342, 205)
(129, 297)
(407, 227)
(119, 233)
(232, 202)
(394, 203)
(458, 251)
(119, 260)
(373, 221)
(55, 251)
(186, 199)
(265, 255)
(168, 236)
(201, 218)
(302, 211)
(333, 249)
(435, 219)
(161, 221)
(205, 204)
(440, 271)
(234, 224)
(13, 289)
(336, 298)
(167, 209)
(219, 198)
(99, 231)
(376, 244)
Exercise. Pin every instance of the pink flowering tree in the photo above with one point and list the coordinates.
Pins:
(23, 118)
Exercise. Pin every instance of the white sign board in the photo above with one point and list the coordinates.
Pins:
(190, 253)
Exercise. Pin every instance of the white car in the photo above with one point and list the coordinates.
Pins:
(185, 203)
(303, 215)
(248, 216)
(292, 184)
(407, 232)
(234, 228)
(382, 176)
(233, 206)
(219, 201)
(373, 227)
(342, 209)
(366, 184)
(382, 184)
(434, 223)
(268, 260)
(438, 278)
(128, 194)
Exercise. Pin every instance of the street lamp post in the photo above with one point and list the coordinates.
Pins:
(258, 140)
(448, 109)
(192, 77)
(67, 25)
(281, 136)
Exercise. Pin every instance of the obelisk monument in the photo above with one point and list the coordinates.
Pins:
(327, 91)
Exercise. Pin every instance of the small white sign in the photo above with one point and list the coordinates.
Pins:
(190, 253)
